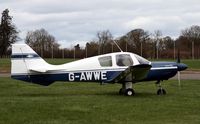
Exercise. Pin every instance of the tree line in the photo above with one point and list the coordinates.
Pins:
(151, 45)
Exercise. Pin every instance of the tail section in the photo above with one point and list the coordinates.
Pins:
(23, 59)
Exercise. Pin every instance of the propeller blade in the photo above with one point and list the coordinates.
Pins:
(178, 59)
(179, 78)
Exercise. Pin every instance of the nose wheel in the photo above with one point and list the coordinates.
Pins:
(160, 90)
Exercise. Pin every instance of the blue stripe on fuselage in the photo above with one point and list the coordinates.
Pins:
(46, 79)
(25, 55)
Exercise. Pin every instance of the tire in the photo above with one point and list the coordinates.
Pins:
(161, 92)
(129, 92)
(121, 91)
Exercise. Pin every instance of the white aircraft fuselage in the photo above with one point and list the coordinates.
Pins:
(119, 67)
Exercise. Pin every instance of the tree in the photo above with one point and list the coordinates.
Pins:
(168, 42)
(104, 37)
(167, 47)
(157, 40)
(123, 43)
(92, 48)
(184, 45)
(8, 32)
(42, 41)
(136, 40)
(193, 35)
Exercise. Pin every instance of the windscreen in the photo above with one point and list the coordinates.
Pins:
(141, 60)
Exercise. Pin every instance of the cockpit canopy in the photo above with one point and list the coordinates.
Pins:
(121, 59)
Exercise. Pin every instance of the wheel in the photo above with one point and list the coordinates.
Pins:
(121, 91)
(161, 92)
(129, 92)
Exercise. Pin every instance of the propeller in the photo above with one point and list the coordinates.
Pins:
(178, 62)
(179, 78)
(180, 67)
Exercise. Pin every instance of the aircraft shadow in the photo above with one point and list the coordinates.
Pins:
(137, 94)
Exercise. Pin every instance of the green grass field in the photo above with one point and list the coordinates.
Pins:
(90, 103)
(5, 63)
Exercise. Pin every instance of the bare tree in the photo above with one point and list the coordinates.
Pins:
(157, 39)
(92, 48)
(104, 37)
(193, 35)
(136, 41)
(41, 41)
(167, 47)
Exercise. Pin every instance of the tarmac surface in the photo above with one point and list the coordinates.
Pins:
(185, 75)
(4, 74)
(188, 75)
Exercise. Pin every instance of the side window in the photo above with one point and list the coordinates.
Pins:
(105, 61)
(124, 60)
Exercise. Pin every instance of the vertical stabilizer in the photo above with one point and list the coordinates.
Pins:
(23, 58)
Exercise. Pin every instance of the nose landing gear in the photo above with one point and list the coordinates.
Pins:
(160, 90)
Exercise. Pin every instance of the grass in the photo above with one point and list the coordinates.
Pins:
(58, 61)
(192, 64)
(5, 65)
(90, 103)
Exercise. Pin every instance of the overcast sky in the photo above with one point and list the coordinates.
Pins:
(78, 21)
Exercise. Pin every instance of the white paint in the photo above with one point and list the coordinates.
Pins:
(163, 68)
(71, 76)
(96, 75)
(83, 76)
(89, 75)
(103, 76)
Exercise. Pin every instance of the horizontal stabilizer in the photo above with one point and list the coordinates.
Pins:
(44, 70)
(40, 70)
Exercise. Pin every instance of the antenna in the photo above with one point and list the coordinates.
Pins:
(117, 46)
(25, 64)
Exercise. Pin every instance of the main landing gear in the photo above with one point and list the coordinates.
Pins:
(127, 89)
(160, 90)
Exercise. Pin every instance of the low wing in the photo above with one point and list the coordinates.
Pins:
(132, 74)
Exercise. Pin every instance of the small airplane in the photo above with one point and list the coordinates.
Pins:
(121, 67)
